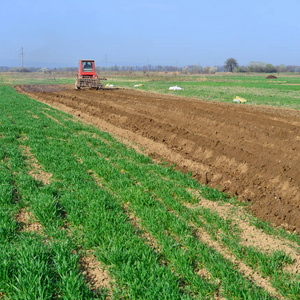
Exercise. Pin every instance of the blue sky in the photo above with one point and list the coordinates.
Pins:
(59, 33)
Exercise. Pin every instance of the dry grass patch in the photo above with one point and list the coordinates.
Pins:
(251, 236)
(78, 159)
(136, 223)
(241, 267)
(28, 222)
(52, 118)
(36, 171)
(97, 179)
(34, 116)
(94, 272)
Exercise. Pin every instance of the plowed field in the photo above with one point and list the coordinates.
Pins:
(252, 152)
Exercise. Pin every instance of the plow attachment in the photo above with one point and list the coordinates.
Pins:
(92, 83)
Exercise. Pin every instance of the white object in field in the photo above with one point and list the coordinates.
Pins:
(138, 85)
(175, 88)
(109, 85)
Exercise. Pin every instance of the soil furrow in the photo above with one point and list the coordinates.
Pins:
(248, 151)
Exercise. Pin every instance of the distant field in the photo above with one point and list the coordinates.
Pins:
(282, 92)
(82, 216)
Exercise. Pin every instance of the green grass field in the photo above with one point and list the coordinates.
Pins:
(284, 91)
(281, 92)
(145, 222)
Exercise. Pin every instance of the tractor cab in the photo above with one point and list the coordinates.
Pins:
(87, 68)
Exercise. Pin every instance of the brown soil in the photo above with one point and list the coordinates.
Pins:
(94, 272)
(37, 173)
(248, 151)
(271, 77)
(25, 219)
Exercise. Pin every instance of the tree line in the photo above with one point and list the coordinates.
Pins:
(230, 65)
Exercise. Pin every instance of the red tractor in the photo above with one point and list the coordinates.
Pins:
(87, 76)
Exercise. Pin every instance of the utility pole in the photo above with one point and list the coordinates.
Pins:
(22, 58)
(105, 62)
(148, 63)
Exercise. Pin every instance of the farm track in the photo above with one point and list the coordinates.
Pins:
(248, 151)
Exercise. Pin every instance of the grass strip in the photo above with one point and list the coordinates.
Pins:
(32, 266)
(133, 263)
